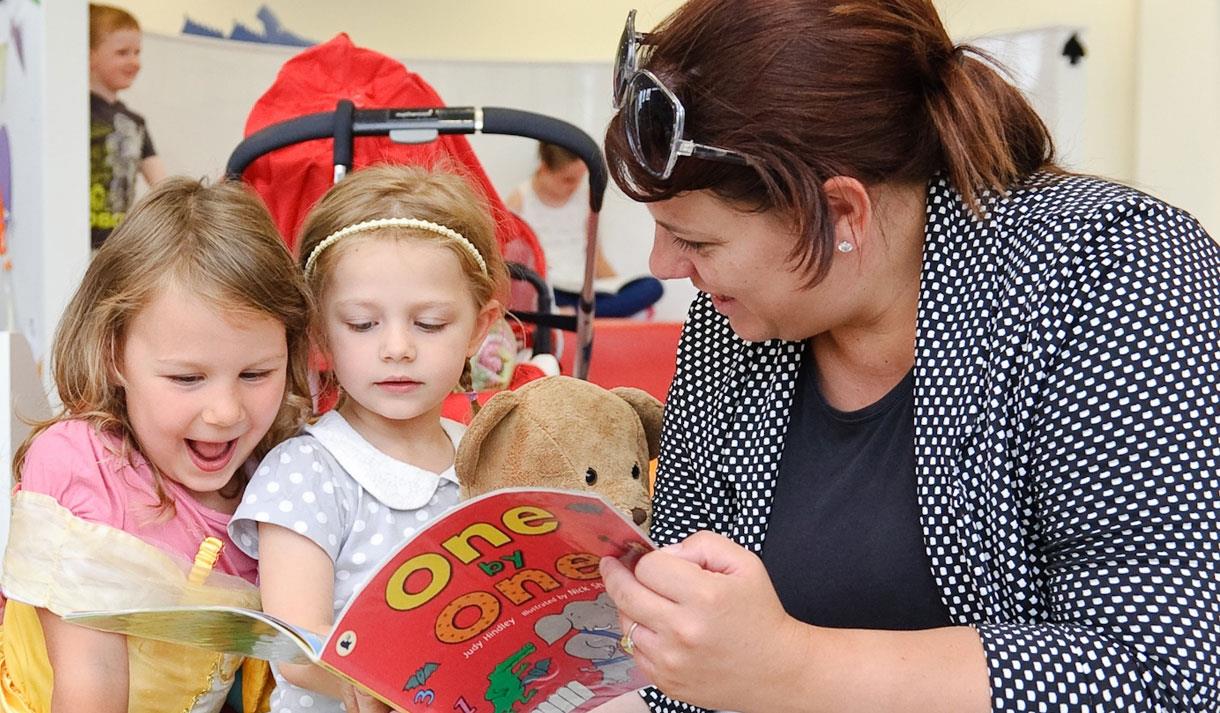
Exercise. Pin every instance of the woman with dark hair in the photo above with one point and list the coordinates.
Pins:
(943, 434)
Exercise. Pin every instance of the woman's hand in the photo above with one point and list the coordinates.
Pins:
(711, 630)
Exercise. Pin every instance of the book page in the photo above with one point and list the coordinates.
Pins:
(225, 629)
(497, 605)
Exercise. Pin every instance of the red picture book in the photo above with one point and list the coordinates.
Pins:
(495, 607)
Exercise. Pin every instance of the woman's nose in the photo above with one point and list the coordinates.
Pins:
(666, 262)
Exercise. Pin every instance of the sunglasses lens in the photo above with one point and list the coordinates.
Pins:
(624, 59)
(651, 119)
(621, 60)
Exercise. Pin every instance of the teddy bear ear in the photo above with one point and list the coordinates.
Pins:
(466, 460)
(649, 410)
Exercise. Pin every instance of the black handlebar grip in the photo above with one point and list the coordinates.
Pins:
(343, 149)
(277, 136)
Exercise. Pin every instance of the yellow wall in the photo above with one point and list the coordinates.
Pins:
(1109, 32)
(525, 30)
(1178, 105)
(1152, 66)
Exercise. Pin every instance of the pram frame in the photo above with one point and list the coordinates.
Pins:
(425, 124)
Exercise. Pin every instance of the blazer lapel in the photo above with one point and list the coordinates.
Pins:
(951, 353)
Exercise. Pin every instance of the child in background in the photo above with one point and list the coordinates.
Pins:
(405, 270)
(119, 144)
(555, 203)
(181, 359)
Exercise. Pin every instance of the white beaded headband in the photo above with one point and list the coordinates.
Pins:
(378, 223)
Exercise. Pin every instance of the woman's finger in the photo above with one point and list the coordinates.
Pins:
(689, 571)
(634, 601)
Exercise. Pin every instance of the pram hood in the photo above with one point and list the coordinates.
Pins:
(290, 180)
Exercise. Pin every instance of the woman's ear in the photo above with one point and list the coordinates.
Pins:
(482, 325)
(852, 209)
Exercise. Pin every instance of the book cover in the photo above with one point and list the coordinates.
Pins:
(496, 606)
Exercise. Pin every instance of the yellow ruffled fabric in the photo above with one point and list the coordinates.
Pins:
(58, 562)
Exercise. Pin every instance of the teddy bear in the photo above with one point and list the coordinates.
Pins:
(561, 432)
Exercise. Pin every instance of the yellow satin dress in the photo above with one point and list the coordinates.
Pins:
(59, 562)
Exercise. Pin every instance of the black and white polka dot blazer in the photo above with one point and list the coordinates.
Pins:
(1067, 403)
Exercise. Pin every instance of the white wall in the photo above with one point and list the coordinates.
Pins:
(44, 107)
(1118, 97)
(586, 31)
(195, 130)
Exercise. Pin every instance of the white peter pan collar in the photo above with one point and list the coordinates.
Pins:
(398, 485)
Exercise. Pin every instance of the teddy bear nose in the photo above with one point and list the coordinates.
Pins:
(639, 515)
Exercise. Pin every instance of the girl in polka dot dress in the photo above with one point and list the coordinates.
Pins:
(405, 271)
(181, 359)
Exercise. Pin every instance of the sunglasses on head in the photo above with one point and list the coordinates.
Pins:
(653, 117)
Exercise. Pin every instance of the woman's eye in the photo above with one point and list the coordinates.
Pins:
(686, 245)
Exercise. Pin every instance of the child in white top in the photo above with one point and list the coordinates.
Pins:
(554, 201)
(406, 273)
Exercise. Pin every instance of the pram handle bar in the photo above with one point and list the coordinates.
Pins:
(543, 344)
(514, 122)
(425, 123)
(443, 120)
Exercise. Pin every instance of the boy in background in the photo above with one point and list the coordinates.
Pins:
(119, 143)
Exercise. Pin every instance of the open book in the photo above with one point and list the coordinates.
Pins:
(495, 606)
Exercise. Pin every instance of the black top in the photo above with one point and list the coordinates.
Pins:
(118, 142)
(844, 546)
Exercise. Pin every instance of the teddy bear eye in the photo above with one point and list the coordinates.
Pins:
(590, 476)
(635, 471)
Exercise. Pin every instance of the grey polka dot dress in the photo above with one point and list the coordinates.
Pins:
(356, 503)
(1067, 456)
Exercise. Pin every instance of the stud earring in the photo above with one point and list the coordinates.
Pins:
(845, 246)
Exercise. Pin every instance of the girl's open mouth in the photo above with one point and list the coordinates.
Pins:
(210, 456)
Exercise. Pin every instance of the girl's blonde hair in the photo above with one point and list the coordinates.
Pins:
(217, 242)
(395, 191)
(104, 19)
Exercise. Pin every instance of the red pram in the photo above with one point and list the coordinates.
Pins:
(306, 133)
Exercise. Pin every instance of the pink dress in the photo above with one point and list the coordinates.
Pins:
(87, 533)
(77, 466)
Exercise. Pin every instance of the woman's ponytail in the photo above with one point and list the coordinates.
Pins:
(990, 135)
